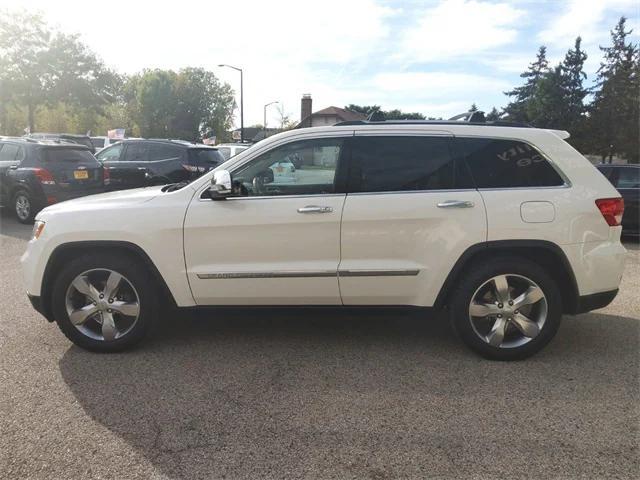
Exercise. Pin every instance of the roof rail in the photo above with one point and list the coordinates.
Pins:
(496, 123)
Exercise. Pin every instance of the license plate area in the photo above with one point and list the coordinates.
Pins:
(80, 174)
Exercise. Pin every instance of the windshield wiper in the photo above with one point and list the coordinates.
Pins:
(172, 187)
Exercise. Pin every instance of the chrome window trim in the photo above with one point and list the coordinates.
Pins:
(271, 197)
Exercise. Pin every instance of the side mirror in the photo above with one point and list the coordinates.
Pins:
(221, 185)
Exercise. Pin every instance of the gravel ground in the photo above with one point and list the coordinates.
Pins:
(315, 394)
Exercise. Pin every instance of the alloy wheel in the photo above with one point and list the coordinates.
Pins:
(508, 311)
(102, 304)
(23, 206)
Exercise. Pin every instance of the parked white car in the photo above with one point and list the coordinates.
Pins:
(508, 227)
(229, 150)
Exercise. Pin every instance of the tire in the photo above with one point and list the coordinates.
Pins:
(23, 207)
(126, 326)
(504, 338)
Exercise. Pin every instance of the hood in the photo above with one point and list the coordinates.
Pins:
(103, 200)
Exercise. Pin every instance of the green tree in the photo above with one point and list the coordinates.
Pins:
(186, 104)
(517, 109)
(493, 115)
(379, 114)
(39, 67)
(614, 123)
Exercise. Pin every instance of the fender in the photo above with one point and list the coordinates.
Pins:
(520, 247)
(62, 252)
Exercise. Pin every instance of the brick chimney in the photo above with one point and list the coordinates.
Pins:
(305, 106)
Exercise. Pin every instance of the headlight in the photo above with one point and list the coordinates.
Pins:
(38, 227)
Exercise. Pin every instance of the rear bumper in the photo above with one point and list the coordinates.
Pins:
(586, 303)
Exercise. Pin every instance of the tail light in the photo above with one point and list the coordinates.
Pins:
(44, 176)
(611, 209)
(106, 176)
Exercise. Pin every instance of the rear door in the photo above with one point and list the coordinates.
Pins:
(410, 212)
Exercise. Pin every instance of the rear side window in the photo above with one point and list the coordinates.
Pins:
(628, 177)
(205, 157)
(398, 164)
(70, 155)
(159, 151)
(225, 152)
(498, 163)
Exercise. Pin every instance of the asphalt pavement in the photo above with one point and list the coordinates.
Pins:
(315, 394)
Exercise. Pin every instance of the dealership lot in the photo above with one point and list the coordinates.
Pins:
(315, 394)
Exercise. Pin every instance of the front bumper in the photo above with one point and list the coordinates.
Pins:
(36, 303)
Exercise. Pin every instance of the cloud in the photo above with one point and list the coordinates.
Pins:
(585, 18)
(457, 28)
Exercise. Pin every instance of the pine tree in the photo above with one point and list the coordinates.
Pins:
(493, 115)
(574, 93)
(517, 109)
(615, 116)
(473, 107)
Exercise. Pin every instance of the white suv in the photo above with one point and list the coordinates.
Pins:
(507, 227)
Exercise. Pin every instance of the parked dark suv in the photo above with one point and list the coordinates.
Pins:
(34, 174)
(138, 163)
(626, 178)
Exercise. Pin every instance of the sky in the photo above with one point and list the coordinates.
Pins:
(436, 57)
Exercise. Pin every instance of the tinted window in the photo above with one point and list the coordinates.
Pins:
(98, 142)
(628, 177)
(159, 151)
(9, 152)
(395, 164)
(70, 155)
(297, 168)
(506, 164)
(136, 152)
(110, 154)
(225, 152)
(205, 157)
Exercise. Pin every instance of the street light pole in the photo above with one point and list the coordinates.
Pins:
(241, 100)
(264, 123)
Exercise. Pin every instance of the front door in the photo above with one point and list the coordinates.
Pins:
(410, 213)
(278, 241)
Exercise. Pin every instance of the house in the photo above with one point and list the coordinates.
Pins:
(324, 117)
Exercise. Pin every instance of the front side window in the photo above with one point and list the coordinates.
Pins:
(400, 164)
(136, 152)
(110, 154)
(306, 167)
(8, 152)
(497, 163)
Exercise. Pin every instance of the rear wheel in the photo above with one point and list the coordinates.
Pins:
(506, 309)
(23, 207)
(104, 302)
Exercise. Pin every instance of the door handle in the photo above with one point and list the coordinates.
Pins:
(315, 209)
(455, 204)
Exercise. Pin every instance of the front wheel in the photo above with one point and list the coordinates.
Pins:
(506, 309)
(104, 302)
